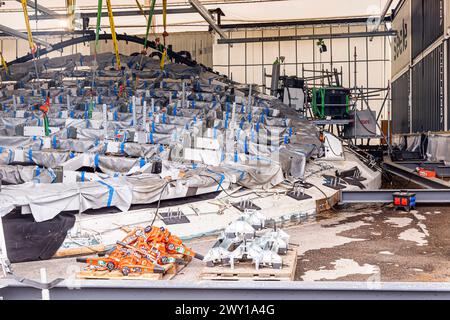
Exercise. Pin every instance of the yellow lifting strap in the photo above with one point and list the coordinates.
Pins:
(4, 64)
(70, 5)
(165, 34)
(163, 59)
(27, 23)
(113, 33)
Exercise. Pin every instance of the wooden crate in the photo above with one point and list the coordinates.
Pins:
(247, 271)
(171, 270)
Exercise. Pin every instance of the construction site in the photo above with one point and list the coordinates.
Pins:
(224, 149)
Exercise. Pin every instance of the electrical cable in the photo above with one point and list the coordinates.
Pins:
(159, 202)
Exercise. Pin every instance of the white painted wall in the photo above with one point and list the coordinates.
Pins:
(373, 68)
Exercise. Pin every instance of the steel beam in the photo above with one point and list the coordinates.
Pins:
(118, 13)
(207, 16)
(309, 37)
(411, 175)
(297, 23)
(423, 196)
(381, 18)
(45, 11)
(22, 35)
(209, 290)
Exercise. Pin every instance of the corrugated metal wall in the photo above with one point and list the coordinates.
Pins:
(427, 23)
(400, 104)
(428, 93)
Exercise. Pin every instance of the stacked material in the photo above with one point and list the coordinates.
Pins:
(143, 250)
(118, 137)
(240, 242)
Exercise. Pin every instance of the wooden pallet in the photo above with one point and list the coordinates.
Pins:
(171, 270)
(247, 271)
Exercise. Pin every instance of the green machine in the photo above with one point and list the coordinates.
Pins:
(331, 102)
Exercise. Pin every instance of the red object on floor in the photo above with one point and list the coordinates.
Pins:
(426, 173)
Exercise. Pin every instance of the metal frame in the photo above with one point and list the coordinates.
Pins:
(410, 175)
(198, 6)
(423, 196)
(315, 65)
(45, 11)
(222, 290)
(22, 35)
(308, 37)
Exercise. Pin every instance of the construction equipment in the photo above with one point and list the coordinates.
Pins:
(143, 250)
(404, 200)
(331, 102)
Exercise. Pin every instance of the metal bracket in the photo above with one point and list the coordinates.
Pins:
(245, 204)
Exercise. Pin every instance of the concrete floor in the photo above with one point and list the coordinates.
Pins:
(356, 244)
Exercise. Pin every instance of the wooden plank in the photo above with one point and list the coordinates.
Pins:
(247, 271)
(70, 252)
(171, 270)
(117, 275)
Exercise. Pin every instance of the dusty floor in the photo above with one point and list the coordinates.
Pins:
(354, 244)
(381, 244)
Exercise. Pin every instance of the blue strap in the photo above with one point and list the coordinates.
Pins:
(96, 160)
(30, 155)
(222, 177)
(82, 176)
(111, 192)
(226, 122)
(249, 117)
(195, 119)
(257, 127)
(164, 118)
(161, 148)
(290, 131)
(153, 126)
(71, 155)
(122, 147)
(236, 157)
(286, 139)
(215, 132)
(54, 145)
(38, 171)
(141, 162)
(246, 145)
(10, 156)
(151, 138)
(193, 104)
(174, 110)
